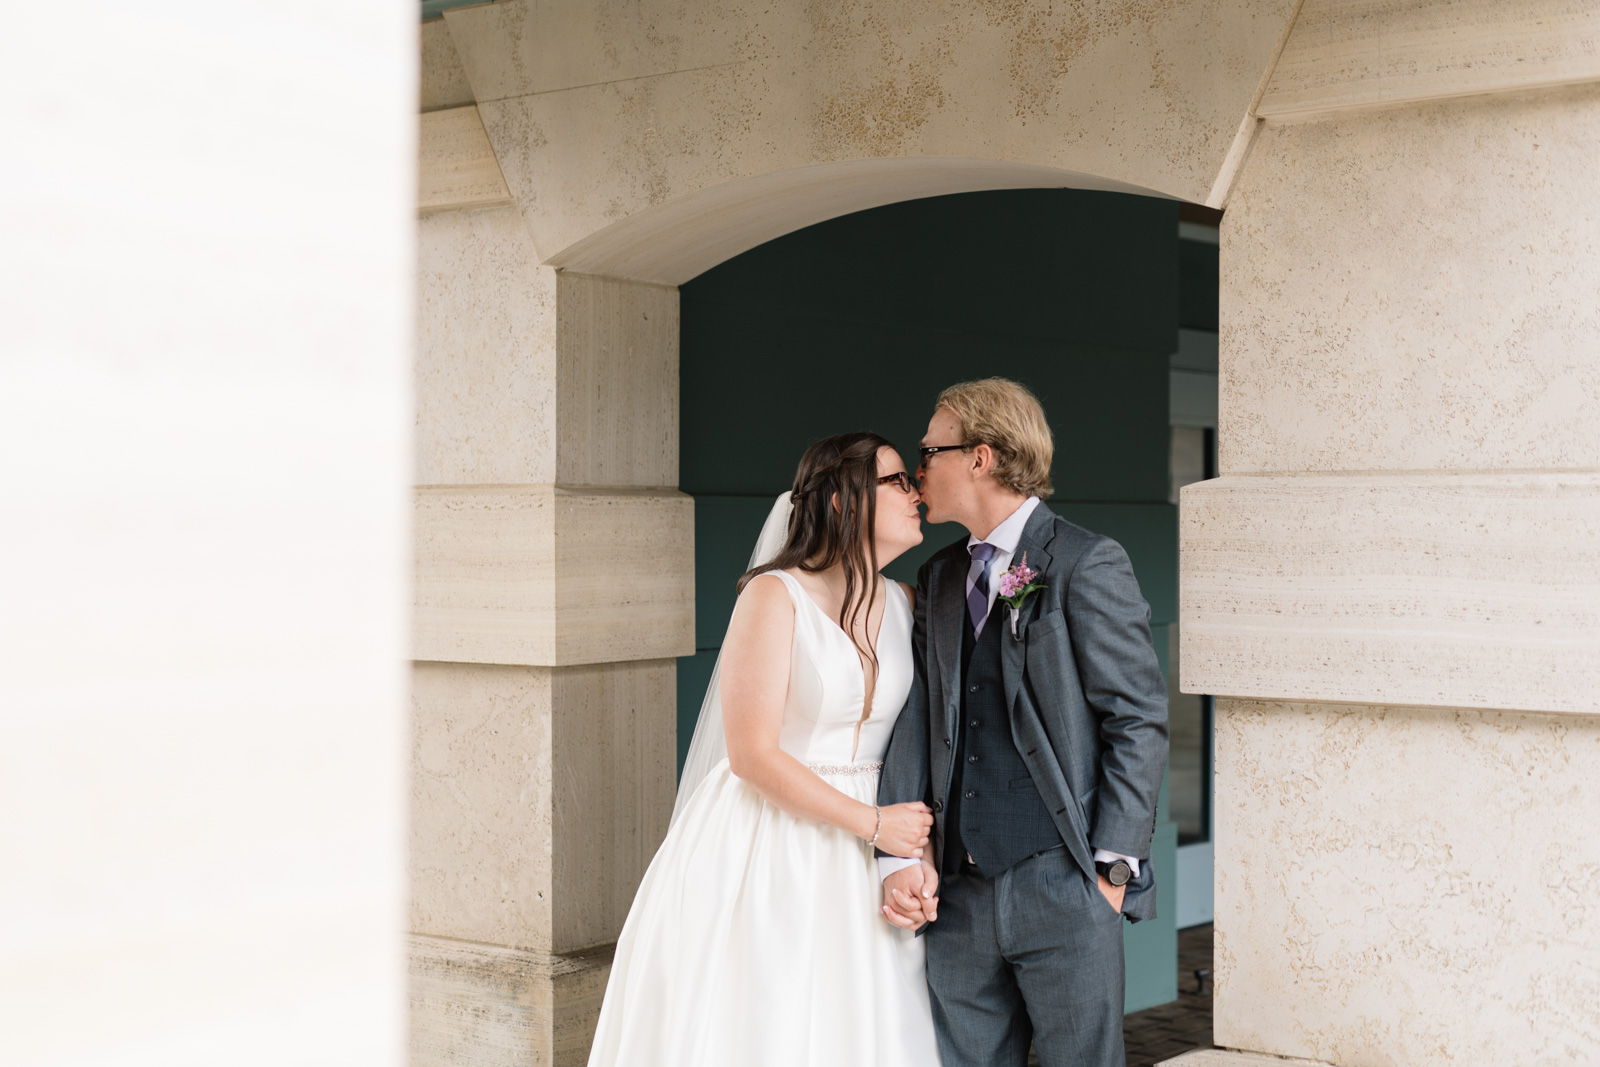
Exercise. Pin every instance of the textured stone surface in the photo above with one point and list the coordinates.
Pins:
(602, 112)
(487, 1006)
(1416, 289)
(521, 574)
(1407, 886)
(528, 375)
(525, 48)
(456, 167)
(1354, 53)
(443, 78)
(616, 382)
(1221, 1057)
(614, 729)
(486, 352)
(539, 797)
(481, 806)
(1455, 590)
(681, 238)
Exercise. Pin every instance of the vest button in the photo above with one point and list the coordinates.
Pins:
(947, 742)
(969, 794)
(972, 759)
(974, 724)
(973, 688)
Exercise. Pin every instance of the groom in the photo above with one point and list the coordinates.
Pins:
(1038, 735)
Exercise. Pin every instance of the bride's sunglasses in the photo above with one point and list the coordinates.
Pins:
(901, 481)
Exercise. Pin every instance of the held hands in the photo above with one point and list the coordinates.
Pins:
(910, 896)
(904, 829)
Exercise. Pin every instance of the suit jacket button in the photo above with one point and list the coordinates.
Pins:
(947, 742)
(938, 806)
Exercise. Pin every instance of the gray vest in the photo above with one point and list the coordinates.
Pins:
(994, 812)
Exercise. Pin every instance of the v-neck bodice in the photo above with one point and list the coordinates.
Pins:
(827, 688)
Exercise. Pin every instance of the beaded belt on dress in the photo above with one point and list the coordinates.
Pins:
(845, 768)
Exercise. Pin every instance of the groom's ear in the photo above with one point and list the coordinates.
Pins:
(982, 459)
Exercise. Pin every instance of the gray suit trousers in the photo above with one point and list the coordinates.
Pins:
(1033, 954)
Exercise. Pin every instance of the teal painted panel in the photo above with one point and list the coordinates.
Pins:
(725, 532)
(1151, 947)
(1092, 268)
(1159, 634)
(1149, 533)
(759, 387)
(694, 674)
(432, 9)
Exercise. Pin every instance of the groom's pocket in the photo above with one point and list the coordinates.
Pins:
(1045, 626)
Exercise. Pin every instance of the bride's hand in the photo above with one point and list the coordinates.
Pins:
(905, 829)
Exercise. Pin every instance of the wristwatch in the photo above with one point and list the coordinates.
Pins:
(1117, 873)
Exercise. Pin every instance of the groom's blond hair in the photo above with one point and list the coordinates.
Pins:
(1007, 417)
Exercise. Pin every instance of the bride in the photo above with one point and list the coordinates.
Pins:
(756, 937)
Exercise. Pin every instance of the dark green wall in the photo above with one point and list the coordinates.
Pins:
(858, 323)
(1198, 267)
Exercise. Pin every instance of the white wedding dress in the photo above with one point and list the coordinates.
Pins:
(756, 939)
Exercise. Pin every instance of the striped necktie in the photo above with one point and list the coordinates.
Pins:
(978, 598)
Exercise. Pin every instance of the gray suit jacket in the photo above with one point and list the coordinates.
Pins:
(1087, 700)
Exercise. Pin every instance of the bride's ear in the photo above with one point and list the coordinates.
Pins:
(834, 500)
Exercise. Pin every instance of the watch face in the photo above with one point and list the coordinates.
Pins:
(1119, 874)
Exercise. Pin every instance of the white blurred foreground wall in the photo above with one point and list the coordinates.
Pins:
(205, 278)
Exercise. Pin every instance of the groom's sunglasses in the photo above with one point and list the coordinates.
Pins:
(901, 481)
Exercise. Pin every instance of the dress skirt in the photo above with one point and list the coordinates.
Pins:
(756, 941)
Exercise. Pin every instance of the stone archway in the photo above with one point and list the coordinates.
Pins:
(580, 161)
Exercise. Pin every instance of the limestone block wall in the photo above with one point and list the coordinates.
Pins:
(1400, 567)
(655, 140)
(1404, 885)
(554, 587)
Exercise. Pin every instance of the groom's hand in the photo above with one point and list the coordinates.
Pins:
(1112, 893)
(910, 896)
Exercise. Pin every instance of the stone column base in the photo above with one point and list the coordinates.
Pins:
(475, 1004)
(1222, 1057)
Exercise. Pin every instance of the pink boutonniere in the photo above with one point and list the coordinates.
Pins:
(1017, 584)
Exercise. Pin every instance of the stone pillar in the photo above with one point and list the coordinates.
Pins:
(1396, 582)
(554, 588)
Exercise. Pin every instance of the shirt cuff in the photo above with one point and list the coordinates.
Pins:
(1103, 856)
(887, 865)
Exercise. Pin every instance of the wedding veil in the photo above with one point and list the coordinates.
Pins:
(709, 746)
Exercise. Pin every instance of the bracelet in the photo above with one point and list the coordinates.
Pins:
(877, 829)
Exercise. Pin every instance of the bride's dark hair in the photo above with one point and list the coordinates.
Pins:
(823, 533)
